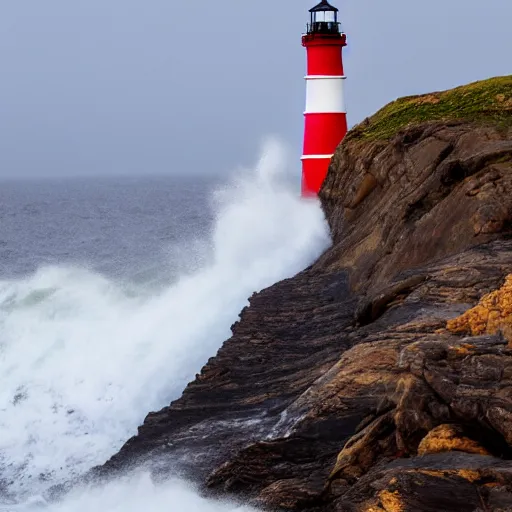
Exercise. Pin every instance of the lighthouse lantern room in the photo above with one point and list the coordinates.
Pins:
(325, 114)
(324, 18)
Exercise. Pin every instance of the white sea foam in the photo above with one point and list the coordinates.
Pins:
(132, 493)
(82, 362)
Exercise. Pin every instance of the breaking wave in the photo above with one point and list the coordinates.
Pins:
(82, 361)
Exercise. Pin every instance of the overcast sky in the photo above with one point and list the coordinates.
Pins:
(165, 86)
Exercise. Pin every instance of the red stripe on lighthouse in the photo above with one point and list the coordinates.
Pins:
(324, 58)
(314, 171)
(323, 133)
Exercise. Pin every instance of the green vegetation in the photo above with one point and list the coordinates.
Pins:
(485, 102)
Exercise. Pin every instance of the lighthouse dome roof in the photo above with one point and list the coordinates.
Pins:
(324, 5)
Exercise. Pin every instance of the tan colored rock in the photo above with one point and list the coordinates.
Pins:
(447, 438)
(364, 449)
(391, 501)
(492, 314)
(364, 190)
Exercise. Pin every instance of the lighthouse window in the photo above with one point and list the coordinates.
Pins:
(325, 16)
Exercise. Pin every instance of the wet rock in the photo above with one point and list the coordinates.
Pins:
(380, 378)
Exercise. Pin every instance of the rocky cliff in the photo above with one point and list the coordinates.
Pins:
(380, 378)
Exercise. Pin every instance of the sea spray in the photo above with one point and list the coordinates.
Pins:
(135, 492)
(82, 362)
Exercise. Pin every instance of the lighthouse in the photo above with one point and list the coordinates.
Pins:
(325, 114)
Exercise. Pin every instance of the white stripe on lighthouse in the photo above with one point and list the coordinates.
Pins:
(325, 95)
(317, 77)
(316, 157)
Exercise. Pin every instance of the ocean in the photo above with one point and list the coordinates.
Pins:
(113, 294)
(124, 228)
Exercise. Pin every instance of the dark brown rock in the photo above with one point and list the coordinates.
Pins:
(448, 190)
(342, 388)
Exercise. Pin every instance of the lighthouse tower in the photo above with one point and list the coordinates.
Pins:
(325, 115)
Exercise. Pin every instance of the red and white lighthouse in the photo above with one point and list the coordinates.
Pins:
(325, 115)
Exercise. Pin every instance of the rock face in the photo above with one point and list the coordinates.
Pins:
(380, 378)
(493, 314)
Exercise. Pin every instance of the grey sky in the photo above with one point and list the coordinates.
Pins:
(160, 86)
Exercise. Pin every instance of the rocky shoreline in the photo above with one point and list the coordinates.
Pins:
(380, 378)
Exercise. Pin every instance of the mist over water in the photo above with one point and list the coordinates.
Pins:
(135, 493)
(84, 358)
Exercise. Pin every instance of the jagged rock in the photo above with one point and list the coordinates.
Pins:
(492, 314)
(448, 438)
(340, 386)
(434, 483)
(448, 190)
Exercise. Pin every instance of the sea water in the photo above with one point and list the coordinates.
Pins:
(113, 294)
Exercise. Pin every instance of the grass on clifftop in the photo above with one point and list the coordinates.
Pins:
(486, 102)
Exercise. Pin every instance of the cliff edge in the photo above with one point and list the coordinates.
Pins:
(380, 378)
